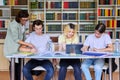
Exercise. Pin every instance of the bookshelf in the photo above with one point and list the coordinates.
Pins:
(57, 13)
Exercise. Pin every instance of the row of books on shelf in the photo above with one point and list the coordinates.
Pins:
(64, 16)
(35, 5)
(54, 28)
(87, 27)
(87, 16)
(2, 35)
(58, 27)
(109, 23)
(13, 2)
(5, 13)
(107, 2)
(57, 16)
(87, 4)
(106, 12)
(74, 4)
(36, 15)
(4, 23)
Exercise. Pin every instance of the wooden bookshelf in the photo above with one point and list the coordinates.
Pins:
(58, 13)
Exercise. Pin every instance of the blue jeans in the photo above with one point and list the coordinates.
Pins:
(97, 63)
(75, 63)
(34, 63)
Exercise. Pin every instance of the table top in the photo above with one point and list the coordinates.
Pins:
(60, 55)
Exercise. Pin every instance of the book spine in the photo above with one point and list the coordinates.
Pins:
(66, 4)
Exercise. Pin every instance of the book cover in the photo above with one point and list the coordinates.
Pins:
(99, 12)
(106, 12)
(50, 16)
(58, 5)
(118, 23)
(73, 4)
(66, 5)
(92, 16)
(72, 16)
(40, 5)
(0, 23)
(33, 5)
(52, 5)
(21, 2)
(82, 16)
(82, 4)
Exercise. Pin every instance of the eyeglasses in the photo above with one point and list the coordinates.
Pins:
(24, 19)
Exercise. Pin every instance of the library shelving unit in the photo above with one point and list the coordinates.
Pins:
(8, 10)
(108, 13)
(57, 13)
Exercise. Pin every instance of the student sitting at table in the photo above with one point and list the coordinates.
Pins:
(69, 37)
(99, 42)
(39, 40)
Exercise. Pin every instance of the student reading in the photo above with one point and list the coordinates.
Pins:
(40, 41)
(69, 37)
(99, 42)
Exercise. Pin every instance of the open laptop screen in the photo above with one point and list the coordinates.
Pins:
(74, 48)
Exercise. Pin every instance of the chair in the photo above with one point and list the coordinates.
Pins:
(68, 68)
(41, 69)
(105, 67)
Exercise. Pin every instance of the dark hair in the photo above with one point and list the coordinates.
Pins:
(21, 14)
(100, 27)
(37, 22)
(72, 26)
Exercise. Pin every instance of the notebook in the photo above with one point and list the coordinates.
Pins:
(91, 53)
(74, 48)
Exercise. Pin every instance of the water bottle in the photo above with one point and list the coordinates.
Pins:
(116, 48)
(50, 46)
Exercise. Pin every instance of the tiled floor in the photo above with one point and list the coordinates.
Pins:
(4, 75)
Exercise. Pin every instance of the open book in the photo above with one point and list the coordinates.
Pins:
(22, 54)
(49, 53)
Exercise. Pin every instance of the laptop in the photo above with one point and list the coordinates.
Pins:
(74, 48)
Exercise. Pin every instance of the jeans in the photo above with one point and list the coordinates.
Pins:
(75, 63)
(34, 63)
(98, 65)
(17, 70)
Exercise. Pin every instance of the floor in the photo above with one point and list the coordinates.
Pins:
(4, 75)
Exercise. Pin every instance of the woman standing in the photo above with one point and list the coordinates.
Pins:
(14, 38)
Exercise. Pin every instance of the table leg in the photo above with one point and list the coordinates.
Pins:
(12, 73)
(119, 68)
(22, 63)
(110, 69)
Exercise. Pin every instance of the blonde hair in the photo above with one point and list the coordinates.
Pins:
(68, 27)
